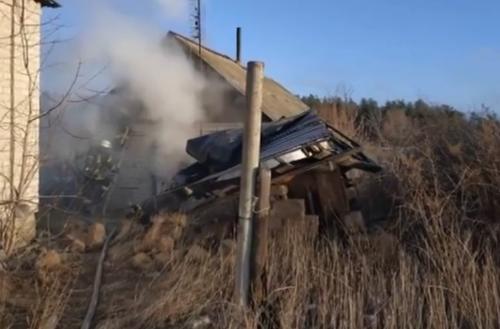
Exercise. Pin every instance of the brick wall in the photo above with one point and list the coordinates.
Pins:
(25, 62)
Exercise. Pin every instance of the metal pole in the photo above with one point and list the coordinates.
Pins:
(199, 27)
(249, 167)
(238, 45)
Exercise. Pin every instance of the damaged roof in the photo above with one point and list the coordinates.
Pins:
(222, 150)
(277, 101)
(289, 147)
(284, 142)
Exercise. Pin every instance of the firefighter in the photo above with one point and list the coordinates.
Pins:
(98, 171)
(99, 162)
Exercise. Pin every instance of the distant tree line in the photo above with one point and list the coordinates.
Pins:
(370, 114)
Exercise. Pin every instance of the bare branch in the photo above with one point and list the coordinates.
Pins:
(64, 98)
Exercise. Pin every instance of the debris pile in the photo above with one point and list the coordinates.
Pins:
(309, 159)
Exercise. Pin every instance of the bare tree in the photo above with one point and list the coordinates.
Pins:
(20, 62)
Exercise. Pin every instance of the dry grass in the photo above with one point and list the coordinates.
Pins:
(341, 115)
(362, 284)
(433, 262)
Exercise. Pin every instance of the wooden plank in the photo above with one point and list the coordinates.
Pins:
(261, 233)
(285, 211)
(305, 168)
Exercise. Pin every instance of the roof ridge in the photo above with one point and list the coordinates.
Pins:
(178, 35)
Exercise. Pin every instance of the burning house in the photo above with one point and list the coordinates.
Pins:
(224, 105)
(309, 159)
(131, 178)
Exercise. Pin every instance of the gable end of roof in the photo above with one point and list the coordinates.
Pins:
(277, 101)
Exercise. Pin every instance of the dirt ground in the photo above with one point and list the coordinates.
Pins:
(51, 282)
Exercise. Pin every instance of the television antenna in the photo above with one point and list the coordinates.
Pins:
(197, 32)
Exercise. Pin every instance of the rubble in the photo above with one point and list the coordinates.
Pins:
(310, 189)
(290, 148)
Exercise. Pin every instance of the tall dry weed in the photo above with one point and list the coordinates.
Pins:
(433, 262)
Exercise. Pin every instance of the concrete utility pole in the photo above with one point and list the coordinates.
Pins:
(249, 168)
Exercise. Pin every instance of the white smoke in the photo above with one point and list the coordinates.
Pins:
(156, 73)
(156, 79)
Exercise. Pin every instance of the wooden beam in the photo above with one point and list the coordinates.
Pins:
(260, 238)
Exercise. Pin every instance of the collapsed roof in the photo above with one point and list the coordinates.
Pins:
(296, 141)
(289, 147)
(277, 101)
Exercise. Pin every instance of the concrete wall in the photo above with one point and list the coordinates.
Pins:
(19, 98)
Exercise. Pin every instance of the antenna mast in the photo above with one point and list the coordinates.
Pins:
(197, 26)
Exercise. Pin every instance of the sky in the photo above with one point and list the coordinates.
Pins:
(442, 51)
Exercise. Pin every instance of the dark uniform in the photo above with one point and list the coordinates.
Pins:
(98, 170)
(100, 166)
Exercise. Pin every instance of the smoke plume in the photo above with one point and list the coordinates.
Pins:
(158, 94)
(155, 73)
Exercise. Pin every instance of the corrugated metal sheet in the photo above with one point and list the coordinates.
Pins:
(277, 102)
(221, 150)
(289, 148)
(284, 141)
